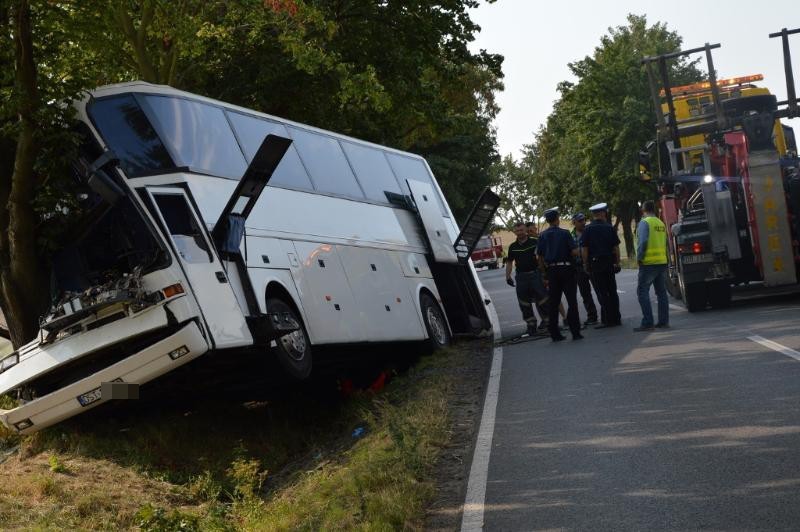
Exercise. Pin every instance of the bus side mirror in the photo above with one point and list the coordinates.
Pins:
(102, 183)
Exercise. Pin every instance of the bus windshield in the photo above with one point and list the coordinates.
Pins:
(155, 134)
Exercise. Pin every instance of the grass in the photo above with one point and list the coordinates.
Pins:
(232, 465)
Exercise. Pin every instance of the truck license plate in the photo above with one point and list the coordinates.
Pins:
(694, 259)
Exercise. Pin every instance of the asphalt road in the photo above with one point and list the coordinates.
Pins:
(696, 427)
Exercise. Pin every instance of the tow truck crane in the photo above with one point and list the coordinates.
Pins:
(728, 181)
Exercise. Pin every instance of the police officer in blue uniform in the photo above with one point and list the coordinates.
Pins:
(557, 251)
(584, 281)
(600, 250)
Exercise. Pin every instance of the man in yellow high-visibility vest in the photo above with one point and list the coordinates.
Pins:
(652, 257)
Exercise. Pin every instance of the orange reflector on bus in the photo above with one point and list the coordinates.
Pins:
(172, 290)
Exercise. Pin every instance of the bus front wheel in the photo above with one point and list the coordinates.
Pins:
(293, 350)
(435, 323)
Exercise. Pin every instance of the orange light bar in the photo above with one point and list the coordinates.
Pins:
(172, 290)
(706, 85)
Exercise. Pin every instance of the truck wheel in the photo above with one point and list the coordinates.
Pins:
(293, 350)
(673, 287)
(435, 323)
(719, 295)
(694, 296)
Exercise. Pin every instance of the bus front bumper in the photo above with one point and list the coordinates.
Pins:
(184, 345)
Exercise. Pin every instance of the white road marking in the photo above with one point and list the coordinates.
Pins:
(775, 346)
(479, 472)
(676, 307)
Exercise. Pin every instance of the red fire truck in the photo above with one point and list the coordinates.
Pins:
(488, 252)
(728, 183)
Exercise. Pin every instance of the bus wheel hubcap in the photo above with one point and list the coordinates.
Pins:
(437, 327)
(295, 344)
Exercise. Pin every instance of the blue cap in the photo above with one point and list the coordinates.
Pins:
(578, 217)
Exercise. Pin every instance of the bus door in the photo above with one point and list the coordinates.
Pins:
(198, 259)
(430, 214)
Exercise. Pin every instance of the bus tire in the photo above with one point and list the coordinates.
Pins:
(719, 295)
(435, 323)
(293, 350)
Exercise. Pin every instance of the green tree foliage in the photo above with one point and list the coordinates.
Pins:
(394, 72)
(512, 182)
(42, 69)
(587, 151)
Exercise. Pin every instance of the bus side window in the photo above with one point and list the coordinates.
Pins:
(372, 170)
(323, 157)
(414, 169)
(251, 132)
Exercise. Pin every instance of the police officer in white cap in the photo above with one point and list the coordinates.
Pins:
(600, 250)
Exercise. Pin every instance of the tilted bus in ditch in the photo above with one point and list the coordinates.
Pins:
(210, 227)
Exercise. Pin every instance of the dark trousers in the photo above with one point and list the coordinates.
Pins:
(530, 291)
(654, 275)
(562, 280)
(585, 288)
(605, 284)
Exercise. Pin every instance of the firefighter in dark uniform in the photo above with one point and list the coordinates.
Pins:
(600, 250)
(584, 283)
(557, 251)
(533, 234)
(527, 280)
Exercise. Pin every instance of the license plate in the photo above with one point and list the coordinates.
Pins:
(85, 399)
(695, 259)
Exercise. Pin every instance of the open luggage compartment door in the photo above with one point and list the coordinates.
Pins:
(458, 284)
(478, 222)
(430, 216)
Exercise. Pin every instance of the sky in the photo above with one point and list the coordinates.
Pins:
(538, 38)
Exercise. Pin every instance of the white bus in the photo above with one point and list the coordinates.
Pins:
(179, 252)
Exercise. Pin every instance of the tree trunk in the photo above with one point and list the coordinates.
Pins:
(23, 286)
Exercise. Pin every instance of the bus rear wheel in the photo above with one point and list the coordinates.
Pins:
(293, 350)
(435, 323)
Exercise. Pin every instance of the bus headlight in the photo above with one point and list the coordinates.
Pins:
(9, 362)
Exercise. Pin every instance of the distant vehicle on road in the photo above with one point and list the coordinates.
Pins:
(488, 252)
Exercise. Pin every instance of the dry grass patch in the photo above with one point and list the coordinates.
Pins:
(83, 493)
